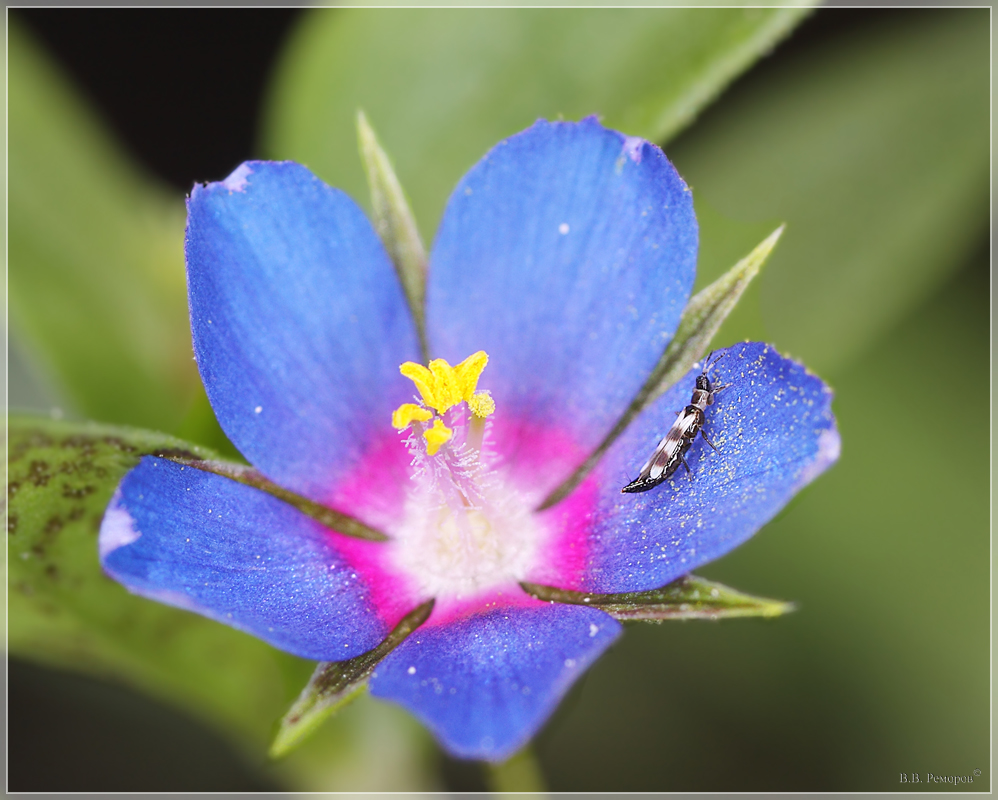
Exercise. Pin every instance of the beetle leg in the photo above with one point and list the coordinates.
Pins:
(708, 441)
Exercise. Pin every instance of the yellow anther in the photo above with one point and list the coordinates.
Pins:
(443, 386)
(420, 376)
(405, 414)
(468, 372)
(436, 385)
(481, 404)
(436, 436)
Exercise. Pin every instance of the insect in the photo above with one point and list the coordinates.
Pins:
(671, 451)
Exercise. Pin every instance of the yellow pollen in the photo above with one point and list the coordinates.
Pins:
(481, 404)
(443, 386)
(436, 436)
(468, 372)
(407, 413)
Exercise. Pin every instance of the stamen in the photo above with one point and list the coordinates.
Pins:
(436, 436)
(468, 372)
(464, 532)
(442, 387)
(481, 404)
(476, 433)
(424, 381)
(407, 413)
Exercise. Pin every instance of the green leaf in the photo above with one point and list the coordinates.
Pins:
(96, 265)
(395, 224)
(702, 317)
(876, 154)
(688, 597)
(336, 683)
(521, 773)
(442, 86)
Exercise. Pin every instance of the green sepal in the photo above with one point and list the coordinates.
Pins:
(701, 320)
(688, 597)
(703, 316)
(395, 224)
(336, 683)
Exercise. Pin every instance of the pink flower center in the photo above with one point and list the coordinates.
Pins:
(460, 515)
(464, 530)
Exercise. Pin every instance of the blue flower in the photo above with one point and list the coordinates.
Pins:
(560, 271)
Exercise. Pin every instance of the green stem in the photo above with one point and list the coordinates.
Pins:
(521, 773)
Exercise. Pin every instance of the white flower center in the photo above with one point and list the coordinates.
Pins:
(459, 552)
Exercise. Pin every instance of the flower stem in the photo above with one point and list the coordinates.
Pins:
(521, 773)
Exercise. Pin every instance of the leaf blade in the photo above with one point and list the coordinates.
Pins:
(875, 154)
(445, 85)
(97, 287)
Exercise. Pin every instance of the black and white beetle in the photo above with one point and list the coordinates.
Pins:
(671, 451)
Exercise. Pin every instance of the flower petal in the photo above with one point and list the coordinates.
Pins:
(202, 542)
(567, 254)
(485, 684)
(775, 432)
(299, 322)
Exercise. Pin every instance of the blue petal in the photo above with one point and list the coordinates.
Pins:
(202, 542)
(567, 254)
(775, 432)
(299, 322)
(485, 684)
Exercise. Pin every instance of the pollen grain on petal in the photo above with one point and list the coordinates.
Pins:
(436, 436)
(405, 414)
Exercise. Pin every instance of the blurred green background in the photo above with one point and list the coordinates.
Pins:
(867, 132)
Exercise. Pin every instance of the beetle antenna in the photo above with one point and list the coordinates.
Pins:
(715, 361)
(706, 362)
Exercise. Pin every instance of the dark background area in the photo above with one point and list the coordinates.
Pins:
(182, 89)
